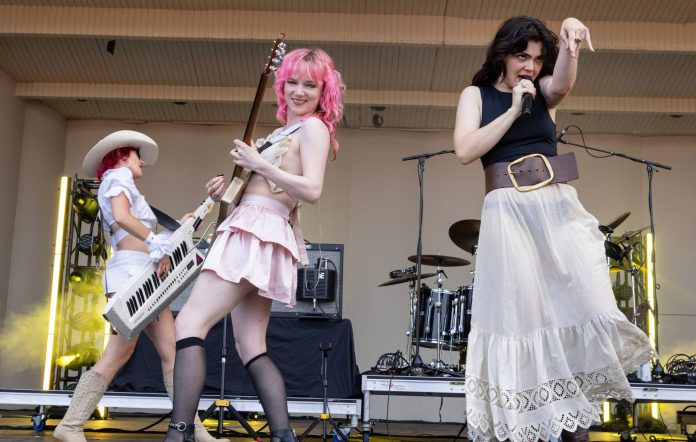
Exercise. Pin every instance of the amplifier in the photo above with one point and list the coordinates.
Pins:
(319, 285)
(316, 283)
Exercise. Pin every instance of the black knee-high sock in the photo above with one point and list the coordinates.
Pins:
(270, 387)
(189, 377)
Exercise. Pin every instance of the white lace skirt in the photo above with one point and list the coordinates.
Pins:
(547, 341)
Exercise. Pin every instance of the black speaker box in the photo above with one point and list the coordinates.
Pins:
(316, 283)
(319, 285)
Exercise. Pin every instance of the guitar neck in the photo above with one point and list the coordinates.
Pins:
(253, 119)
(241, 175)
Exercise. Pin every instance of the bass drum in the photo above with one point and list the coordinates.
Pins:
(461, 315)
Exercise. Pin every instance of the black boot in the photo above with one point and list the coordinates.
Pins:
(286, 435)
(186, 429)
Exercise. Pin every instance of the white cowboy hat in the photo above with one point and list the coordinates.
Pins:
(122, 138)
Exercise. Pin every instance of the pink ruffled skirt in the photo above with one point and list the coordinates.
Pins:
(256, 243)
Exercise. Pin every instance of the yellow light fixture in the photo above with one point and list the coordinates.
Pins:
(103, 411)
(650, 293)
(78, 356)
(84, 281)
(85, 205)
(606, 412)
(56, 279)
(66, 360)
(650, 289)
(87, 322)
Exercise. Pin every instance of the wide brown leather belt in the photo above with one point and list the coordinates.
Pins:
(532, 172)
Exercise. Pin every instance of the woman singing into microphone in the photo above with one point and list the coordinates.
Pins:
(547, 341)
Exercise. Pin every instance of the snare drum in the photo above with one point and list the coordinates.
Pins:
(461, 314)
(434, 317)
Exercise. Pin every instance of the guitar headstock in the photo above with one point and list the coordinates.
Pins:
(276, 55)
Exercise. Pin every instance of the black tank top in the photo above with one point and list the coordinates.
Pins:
(534, 133)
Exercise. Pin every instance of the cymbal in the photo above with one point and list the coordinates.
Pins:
(407, 278)
(616, 222)
(440, 261)
(465, 234)
(630, 234)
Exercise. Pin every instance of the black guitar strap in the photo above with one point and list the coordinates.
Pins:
(165, 220)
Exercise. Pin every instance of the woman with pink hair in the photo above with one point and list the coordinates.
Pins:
(253, 260)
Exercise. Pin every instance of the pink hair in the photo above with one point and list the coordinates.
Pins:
(319, 66)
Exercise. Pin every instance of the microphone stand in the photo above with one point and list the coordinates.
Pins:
(650, 168)
(417, 362)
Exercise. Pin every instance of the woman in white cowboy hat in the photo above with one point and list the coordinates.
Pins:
(116, 161)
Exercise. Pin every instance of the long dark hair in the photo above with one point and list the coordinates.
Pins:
(512, 38)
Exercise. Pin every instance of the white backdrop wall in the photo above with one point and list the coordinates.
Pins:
(42, 154)
(370, 204)
(11, 124)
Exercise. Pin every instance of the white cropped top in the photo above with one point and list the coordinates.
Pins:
(280, 143)
(115, 182)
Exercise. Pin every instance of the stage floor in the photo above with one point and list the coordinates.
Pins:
(124, 428)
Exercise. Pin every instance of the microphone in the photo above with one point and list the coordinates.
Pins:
(526, 98)
(560, 136)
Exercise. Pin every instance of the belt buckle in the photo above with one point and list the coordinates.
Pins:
(519, 188)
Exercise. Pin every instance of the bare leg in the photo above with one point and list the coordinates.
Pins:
(117, 352)
(91, 388)
(161, 333)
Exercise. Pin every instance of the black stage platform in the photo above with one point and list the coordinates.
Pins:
(292, 343)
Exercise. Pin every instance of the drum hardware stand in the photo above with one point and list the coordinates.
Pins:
(453, 328)
(465, 310)
(413, 318)
(650, 168)
(438, 363)
(325, 416)
(417, 362)
(222, 403)
(633, 270)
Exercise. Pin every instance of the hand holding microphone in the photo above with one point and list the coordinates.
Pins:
(526, 98)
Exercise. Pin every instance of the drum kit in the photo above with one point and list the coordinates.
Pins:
(439, 318)
(626, 260)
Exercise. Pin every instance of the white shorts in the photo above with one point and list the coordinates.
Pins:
(122, 267)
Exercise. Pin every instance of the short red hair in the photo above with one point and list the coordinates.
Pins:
(112, 159)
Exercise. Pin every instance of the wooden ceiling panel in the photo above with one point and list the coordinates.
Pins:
(669, 11)
(412, 57)
(411, 7)
(75, 110)
(644, 74)
(454, 68)
(440, 118)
